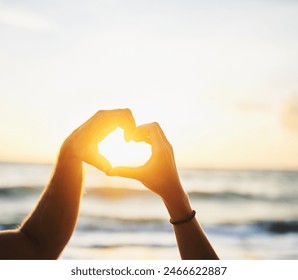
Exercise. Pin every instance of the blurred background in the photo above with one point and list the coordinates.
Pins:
(221, 77)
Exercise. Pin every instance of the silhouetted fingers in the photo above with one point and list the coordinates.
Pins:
(130, 125)
(101, 163)
(106, 121)
(162, 134)
(125, 120)
(141, 134)
(152, 134)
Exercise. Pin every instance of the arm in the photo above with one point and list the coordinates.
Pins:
(160, 175)
(46, 231)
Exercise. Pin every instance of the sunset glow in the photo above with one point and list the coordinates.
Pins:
(121, 153)
(220, 77)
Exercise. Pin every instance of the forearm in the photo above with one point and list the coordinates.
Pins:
(51, 224)
(191, 239)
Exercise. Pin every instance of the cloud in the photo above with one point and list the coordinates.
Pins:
(23, 18)
(289, 113)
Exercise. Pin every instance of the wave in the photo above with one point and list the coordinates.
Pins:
(7, 226)
(231, 195)
(278, 227)
(134, 245)
(126, 192)
(104, 192)
(114, 224)
(7, 192)
(162, 237)
(123, 192)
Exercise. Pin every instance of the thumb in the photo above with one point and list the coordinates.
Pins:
(102, 163)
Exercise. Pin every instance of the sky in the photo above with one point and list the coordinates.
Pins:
(221, 77)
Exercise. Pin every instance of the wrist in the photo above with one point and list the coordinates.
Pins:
(67, 156)
(186, 219)
(178, 206)
(68, 150)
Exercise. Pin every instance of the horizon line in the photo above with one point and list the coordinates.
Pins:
(182, 167)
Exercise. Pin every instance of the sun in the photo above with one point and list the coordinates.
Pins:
(121, 153)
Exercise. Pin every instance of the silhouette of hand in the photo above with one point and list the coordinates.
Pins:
(83, 142)
(159, 174)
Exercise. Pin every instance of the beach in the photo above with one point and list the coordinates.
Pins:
(246, 214)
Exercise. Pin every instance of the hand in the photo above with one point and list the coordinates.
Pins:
(159, 174)
(83, 142)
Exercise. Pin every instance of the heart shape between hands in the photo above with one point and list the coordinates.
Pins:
(122, 153)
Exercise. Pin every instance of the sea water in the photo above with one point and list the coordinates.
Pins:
(246, 214)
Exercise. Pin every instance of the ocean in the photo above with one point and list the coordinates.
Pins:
(246, 214)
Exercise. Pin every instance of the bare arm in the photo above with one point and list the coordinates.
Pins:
(160, 175)
(192, 242)
(46, 231)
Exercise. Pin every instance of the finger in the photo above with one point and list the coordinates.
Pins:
(130, 125)
(109, 120)
(162, 134)
(102, 163)
(125, 120)
(139, 136)
(127, 172)
(149, 133)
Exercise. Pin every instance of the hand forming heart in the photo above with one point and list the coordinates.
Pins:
(159, 173)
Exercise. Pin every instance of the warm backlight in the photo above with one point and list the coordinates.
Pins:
(122, 153)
